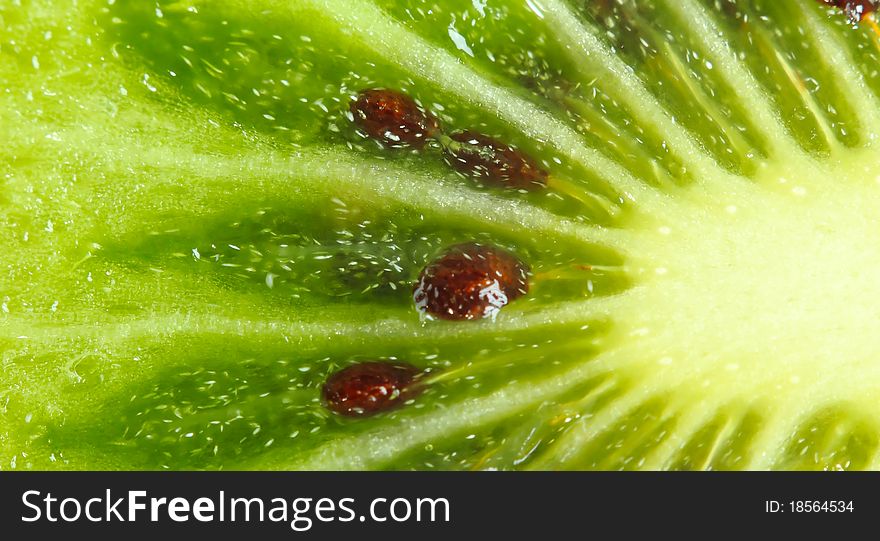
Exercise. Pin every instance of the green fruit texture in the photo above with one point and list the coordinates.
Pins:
(614, 234)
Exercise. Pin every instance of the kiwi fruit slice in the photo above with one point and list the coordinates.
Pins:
(469, 234)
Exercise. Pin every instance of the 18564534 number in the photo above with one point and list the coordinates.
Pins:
(809, 506)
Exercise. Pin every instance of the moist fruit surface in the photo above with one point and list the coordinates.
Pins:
(411, 234)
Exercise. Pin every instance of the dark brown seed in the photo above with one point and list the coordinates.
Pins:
(493, 162)
(393, 118)
(370, 387)
(470, 281)
(856, 10)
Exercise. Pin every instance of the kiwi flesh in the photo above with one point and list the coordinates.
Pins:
(196, 235)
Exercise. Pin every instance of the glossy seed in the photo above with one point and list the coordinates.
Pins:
(491, 161)
(370, 387)
(856, 10)
(470, 281)
(393, 118)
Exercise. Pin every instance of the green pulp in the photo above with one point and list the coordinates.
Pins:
(195, 235)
